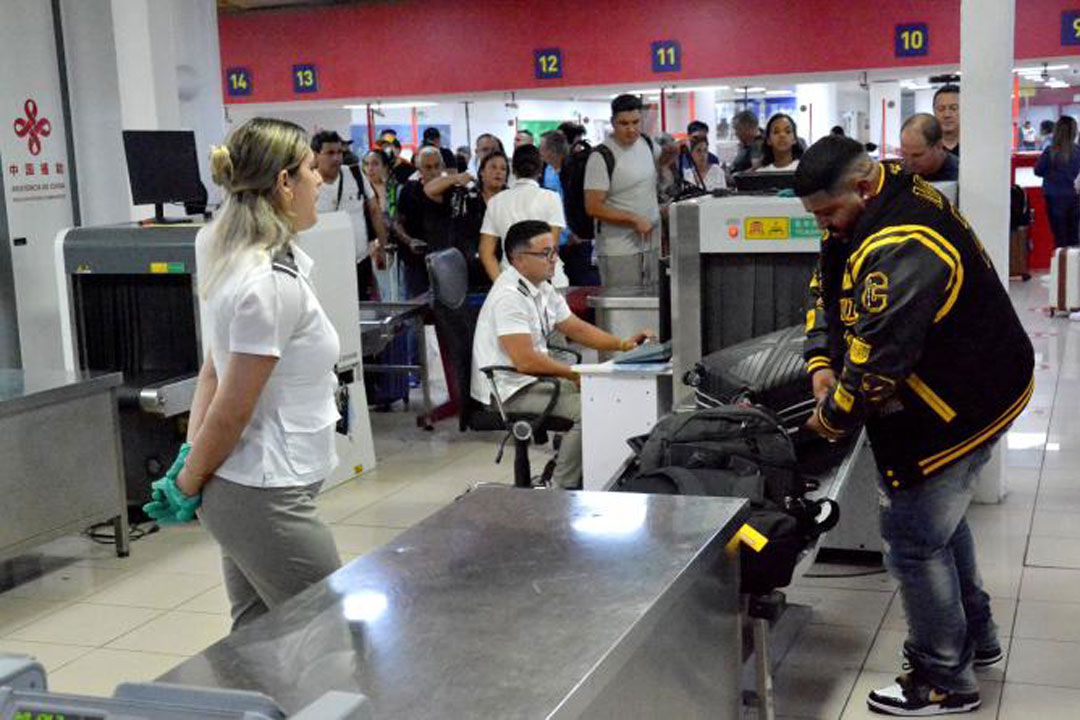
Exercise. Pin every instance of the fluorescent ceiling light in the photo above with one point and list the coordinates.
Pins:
(1056, 84)
(392, 105)
(699, 88)
(1040, 69)
(779, 92)
(754, 89)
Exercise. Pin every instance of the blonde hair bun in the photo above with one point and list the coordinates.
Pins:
(221, 165)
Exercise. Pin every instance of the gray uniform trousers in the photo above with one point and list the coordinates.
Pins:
(273, 544)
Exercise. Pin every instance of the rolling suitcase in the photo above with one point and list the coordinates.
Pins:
(386, 388)
(767, 370)
(1065, 280)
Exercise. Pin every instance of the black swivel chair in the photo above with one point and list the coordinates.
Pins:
(455, 323)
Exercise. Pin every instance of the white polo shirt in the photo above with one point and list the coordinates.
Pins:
(344, 194)
(264, 308)
(514, 306)
(526, 200)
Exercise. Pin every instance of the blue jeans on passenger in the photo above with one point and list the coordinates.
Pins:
(930, 551)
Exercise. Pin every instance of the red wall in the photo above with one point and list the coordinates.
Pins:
(427, 47)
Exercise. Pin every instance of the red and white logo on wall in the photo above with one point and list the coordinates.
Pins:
(34, 177)
(31, 127)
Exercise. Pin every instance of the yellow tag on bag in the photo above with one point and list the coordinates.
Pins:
(748, 536)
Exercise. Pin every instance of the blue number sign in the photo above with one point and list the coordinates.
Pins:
(238, 82)
(912, 40)
(548, 63)
(305, 79)
(666, 56)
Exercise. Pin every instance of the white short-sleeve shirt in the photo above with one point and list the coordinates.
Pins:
(714, 179)
(514, 306)
(344, 194)
(526, 200)
(269, 308)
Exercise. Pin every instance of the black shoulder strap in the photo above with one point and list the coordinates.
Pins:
(648, 141)
(609, 157)
(340, 189)
(284, 262)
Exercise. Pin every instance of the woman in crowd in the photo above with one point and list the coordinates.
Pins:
(260, 438)
(782, 149)
(1059, 166)
(377, 168)
(712, 176)
(467, 213)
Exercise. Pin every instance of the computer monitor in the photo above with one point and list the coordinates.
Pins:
(162, 168)
(763, 182)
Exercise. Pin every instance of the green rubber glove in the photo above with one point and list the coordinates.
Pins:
(786, 192)
(168, 504)
(181, 508)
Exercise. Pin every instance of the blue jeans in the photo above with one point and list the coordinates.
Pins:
(930, 551)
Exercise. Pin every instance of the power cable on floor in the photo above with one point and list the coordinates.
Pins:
(104, 533)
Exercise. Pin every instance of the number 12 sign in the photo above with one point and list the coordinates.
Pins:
(548, 63)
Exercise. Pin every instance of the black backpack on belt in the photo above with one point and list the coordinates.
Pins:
(738, 451)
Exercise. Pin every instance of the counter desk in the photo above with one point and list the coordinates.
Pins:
(514, 604)
(62, 468)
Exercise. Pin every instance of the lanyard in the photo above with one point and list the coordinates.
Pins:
(545, 329)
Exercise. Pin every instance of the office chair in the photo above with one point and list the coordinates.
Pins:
(455, 324)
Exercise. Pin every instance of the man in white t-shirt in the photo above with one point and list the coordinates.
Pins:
(351, 195)
(526, 200)
(623, 201)
(520, 311)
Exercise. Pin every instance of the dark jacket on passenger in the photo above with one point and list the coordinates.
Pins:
(949, 170)
(929, 351)
(1057, 174)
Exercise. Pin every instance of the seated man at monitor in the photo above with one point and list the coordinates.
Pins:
(520, 312)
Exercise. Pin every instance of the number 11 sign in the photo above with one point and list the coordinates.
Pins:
(666, 56)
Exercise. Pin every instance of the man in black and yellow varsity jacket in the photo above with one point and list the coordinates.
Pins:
(928, 349)
(912, 335)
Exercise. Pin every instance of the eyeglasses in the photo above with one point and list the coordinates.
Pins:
(548, 254)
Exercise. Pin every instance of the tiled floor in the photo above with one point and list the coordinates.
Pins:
(95, 620)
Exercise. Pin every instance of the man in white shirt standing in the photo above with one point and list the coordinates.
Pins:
(520, 311)
(620, 193)
(337, 193)
(526, 200)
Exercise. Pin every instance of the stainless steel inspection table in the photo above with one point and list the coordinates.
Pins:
(515, 604)
(60, 445)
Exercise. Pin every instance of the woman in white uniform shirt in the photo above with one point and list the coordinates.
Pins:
(263, 416)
